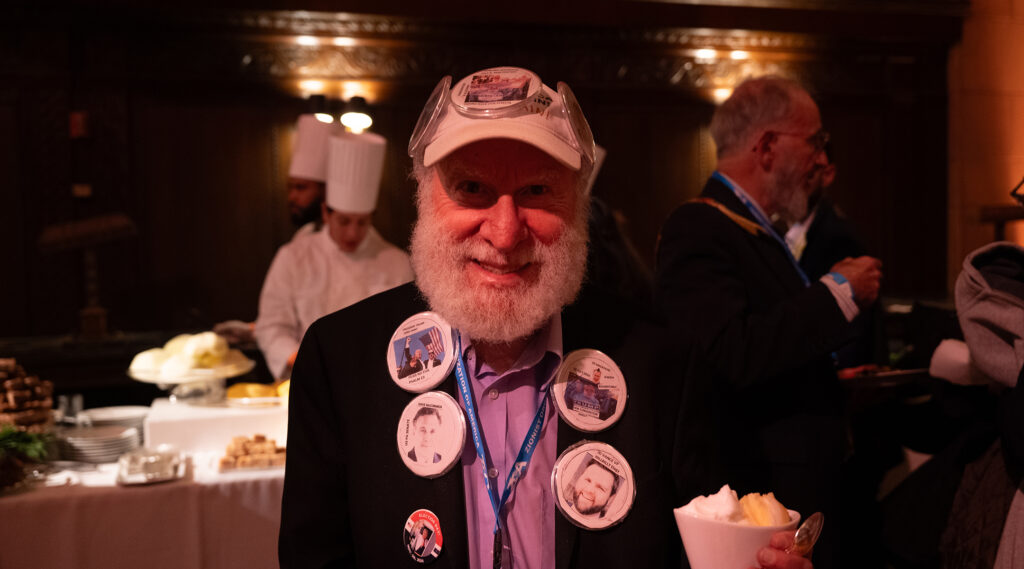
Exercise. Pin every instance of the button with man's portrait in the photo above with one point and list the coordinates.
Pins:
(431, 434)
(593, 485)
(422, 536)
(421, 352)
(589, 391)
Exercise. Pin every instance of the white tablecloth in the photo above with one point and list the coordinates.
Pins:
(205, 521)
(210, 429)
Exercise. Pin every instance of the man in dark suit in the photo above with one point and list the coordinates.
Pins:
(764, 385)
(498, 251)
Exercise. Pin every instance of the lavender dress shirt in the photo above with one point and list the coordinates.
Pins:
(506, 404)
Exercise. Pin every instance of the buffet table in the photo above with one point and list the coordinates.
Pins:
(205, 520)
(80, 518)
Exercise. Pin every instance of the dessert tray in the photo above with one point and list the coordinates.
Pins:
(226, 370)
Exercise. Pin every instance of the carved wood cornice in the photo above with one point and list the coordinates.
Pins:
(265, 47)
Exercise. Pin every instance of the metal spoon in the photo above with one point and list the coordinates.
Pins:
(807, 534)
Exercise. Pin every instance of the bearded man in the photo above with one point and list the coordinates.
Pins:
(499, 252)
(594, 488)
(766, 390)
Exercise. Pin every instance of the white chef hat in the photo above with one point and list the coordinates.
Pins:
(355, 163)
(309, 159)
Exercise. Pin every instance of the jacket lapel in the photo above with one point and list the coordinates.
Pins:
(450, 495)
(566, 533)
(770, 249)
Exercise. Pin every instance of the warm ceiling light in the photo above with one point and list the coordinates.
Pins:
(356, 88)
(356, 117)
(311, 86)
(739, 54)
(343, 42)
(706, 53)
(307, 40)
(721, 94)
(324, 117)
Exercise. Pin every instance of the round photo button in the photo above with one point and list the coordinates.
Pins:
(421, 352)
(431, 434)
(589, 391)
(593, 485)
(494, 90)
(422, 536)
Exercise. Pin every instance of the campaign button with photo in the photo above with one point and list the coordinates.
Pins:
(431, 434)
(422, 536)
(593, 485)
(589, 391)
(421, 352)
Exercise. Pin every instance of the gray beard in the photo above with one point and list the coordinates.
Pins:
(786, 191)
(487, 313)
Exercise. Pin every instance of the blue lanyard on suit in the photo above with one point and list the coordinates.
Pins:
(764, 223)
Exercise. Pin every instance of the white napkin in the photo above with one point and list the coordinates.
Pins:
(952, 361)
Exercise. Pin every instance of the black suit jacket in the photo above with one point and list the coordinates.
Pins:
(762, 396)
(347, 492)
(830, 239)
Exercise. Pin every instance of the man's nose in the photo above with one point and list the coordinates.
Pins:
(503, 228)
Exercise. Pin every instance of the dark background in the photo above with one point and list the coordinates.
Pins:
(190, 109)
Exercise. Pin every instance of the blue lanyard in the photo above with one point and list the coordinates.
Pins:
(764, 223)
(525, 451)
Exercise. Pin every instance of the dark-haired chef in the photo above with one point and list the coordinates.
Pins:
(342, 263)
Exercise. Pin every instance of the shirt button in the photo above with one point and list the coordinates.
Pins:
(492, 472)
(493, 394)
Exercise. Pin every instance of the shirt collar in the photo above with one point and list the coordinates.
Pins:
(743, 195)
(547, 340)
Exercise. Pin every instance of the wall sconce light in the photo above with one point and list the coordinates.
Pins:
(706, 55)
(356, 116)
(721, 94)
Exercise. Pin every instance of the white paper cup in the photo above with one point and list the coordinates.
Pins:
(711, 544)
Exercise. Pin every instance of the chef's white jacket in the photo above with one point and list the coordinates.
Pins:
(311, 277)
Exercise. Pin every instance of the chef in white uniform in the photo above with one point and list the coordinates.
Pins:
(307, 174)
(343, 263)
(307, 183)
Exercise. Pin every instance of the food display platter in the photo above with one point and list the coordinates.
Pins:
(228, 370)
(250, 402)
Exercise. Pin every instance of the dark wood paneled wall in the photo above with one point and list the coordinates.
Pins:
(190, 114)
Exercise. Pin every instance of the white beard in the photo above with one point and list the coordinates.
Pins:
(491, 313)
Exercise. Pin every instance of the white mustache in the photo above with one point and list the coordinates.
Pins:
(496, 261)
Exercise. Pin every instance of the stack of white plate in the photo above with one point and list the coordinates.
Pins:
(121, 415)
(97, 444)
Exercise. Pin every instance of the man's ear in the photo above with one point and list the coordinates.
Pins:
(764, 148)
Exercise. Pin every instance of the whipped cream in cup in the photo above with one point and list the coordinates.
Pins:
(716, 534)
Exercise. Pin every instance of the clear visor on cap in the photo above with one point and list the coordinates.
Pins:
(502, 93)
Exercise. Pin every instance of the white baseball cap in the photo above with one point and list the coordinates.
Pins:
(503, 102)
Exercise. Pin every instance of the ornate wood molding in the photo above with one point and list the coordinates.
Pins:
(285, 48)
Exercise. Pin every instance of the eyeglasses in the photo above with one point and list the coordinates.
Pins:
(818, 140)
